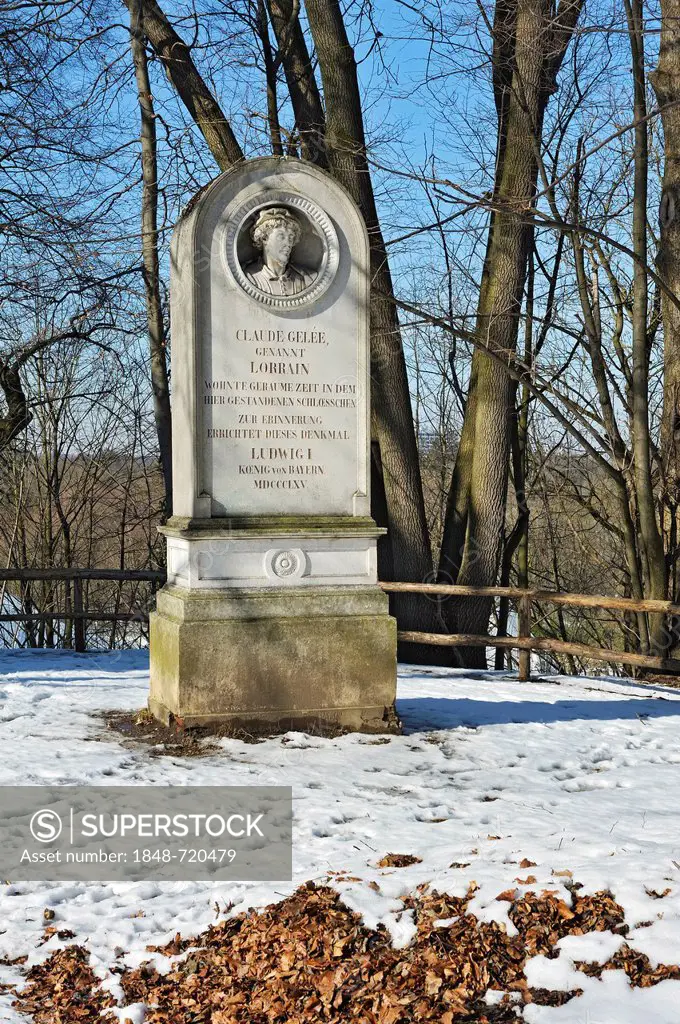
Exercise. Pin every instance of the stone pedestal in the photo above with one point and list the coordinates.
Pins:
(272, 617)
(273, 624)
(310, 658)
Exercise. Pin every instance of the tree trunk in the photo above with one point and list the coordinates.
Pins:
(624, 480)
(652, 543)
(270, 69)
(152, 289)
(391, 404)
(473, 534)
(666, 83)
(299, 71)
(518, 540)
(409, 549)
(175, 57)
(18, 414)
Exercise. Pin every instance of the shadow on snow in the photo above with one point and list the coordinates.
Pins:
(429, 714)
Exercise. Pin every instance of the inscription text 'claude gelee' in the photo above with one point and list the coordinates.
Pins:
(278, 393)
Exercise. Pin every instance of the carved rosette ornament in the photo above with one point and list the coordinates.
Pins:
(285, 563)
(313, 262)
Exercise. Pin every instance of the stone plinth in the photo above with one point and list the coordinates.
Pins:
(305, 658)
(272, 614)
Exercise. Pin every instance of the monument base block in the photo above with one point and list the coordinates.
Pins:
(267, 660)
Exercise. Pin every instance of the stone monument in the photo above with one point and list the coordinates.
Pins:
(271, 617)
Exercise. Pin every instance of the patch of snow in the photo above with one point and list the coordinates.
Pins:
(592, 948)
(134, 1013)
(572, 774)
(558, 975)
(612, 1001)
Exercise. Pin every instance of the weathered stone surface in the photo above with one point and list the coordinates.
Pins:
(261, 558)
(270, 392)
(311, 658)
(202, 605)
(272, 613)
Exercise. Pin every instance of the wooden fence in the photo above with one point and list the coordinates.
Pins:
(77, 614)
(525, 642)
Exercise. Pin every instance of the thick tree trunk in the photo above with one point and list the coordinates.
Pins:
(175, 56)
(652, 543)
(391, 403)
(666, 83)
(310, 119)
(409, 549)
(270, 68)
(152, 289)
(473, 534)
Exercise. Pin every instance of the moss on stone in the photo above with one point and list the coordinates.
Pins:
(336, 668)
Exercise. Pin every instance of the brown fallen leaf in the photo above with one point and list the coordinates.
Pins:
(61, 933)
(432, 983)
(309, 958)
(398, 860)
(657, 895)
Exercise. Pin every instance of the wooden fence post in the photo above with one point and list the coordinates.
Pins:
(79, 621)
(524, 623)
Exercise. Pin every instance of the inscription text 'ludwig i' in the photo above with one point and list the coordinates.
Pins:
(271, 614)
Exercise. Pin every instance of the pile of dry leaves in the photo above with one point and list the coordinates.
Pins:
(309, 959)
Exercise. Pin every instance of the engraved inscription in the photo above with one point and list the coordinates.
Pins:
(284, 426)
(283, 377)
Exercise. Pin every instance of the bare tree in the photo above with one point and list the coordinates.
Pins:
(346, 155)
(529, 44)
(152, 284)
(391, 406)
(666, 83)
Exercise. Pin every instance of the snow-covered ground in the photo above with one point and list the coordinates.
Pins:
(579, 775)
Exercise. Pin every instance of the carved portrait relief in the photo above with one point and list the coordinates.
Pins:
(282, 249)
(275, 233)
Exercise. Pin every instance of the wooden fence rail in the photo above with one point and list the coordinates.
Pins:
(525, 642)
(78, 615)
(152, 575)
(524, 598)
